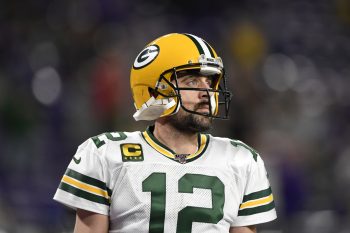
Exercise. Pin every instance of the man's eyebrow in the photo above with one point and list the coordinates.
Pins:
(188, 74)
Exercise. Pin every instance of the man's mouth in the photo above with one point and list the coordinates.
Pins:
(203, 107)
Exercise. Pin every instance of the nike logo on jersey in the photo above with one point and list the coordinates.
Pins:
(77, 161)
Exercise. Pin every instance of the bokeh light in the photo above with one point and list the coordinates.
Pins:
(46, 85)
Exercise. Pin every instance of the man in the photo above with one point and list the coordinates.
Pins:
(171, 177)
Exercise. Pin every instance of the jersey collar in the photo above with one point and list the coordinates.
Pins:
(203, 141)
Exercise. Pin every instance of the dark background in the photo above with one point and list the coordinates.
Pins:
(64, 77)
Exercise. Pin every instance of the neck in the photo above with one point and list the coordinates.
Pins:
(176, 140)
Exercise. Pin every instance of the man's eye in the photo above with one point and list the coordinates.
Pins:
(210, 83)
(192, 82)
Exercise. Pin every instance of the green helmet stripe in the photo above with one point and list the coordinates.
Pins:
(209, 48)
(196, 42)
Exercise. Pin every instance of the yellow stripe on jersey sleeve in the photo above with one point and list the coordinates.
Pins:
(255, 203)
(85, 187)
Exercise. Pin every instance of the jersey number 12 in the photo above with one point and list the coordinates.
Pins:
(156, 184)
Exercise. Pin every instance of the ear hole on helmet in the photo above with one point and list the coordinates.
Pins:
(152, 92)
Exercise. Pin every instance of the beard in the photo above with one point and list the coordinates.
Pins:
(190, 122)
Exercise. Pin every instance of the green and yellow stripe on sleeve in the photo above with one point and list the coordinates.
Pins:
(257, 202)
(85, 187)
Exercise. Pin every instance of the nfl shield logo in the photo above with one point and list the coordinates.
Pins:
(181, 158)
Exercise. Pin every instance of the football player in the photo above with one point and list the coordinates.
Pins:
(172, 177)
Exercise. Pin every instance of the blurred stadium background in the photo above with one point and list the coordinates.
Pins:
(64, 77)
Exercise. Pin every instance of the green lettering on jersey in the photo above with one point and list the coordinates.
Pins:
(239, 143)
(100, 139)
(191, 214)
(156, 184)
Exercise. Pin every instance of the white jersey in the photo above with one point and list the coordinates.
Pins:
(143, 186)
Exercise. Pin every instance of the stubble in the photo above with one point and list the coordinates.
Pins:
(190, 123)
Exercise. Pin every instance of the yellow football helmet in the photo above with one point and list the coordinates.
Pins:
(153, 77)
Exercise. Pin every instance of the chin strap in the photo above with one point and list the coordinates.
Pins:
(153, 109)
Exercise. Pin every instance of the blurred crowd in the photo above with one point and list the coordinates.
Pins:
(64, 77)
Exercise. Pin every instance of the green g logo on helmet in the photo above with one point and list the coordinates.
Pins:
(146, 56)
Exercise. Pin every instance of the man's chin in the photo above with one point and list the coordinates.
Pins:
(201, 123)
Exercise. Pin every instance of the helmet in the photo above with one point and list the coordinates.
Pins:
(153, 77)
